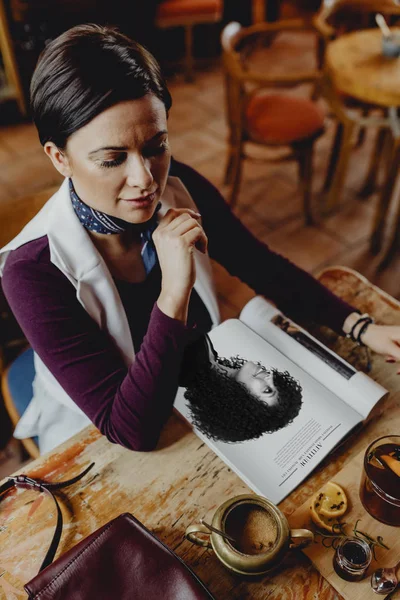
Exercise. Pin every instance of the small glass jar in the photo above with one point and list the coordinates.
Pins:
(352, 558)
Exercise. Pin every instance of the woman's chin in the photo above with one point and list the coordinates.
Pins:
(137, 214)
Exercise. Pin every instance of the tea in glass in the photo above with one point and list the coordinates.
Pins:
(380, 484)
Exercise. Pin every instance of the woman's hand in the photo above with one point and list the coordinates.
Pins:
(175, 238)
(383, 339)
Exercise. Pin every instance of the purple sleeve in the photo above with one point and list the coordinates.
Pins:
(297, 293)
(128, 405)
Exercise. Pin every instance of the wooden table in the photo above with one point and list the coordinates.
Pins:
(358, 68)
(179, 483)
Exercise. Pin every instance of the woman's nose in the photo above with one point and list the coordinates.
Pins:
(139, 174)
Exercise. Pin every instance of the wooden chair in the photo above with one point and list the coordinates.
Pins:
(14, 88)
(333, 19)
(18, 372)
(17, 392)
(187, 14)
(257, 114)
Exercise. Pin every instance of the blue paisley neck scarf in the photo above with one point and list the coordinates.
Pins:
(100, 222)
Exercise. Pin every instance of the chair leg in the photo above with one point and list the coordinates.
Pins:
(305, 159)
(236, 175)
(229, 166)
(189, 70)
(333, 157)
(370, 182)
(383, 208)
(336, 188)
(360, 137)
(362, 130)
(9, 60)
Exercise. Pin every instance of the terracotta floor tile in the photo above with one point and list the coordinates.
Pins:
(7, 192)
(184, 116)
(275, 198)
(195, 146)
(258, 225)
(353, 223)
(36, 172)
(21, 139)
(213, 169)
(219, 127)
(308, 247)
(6, 153)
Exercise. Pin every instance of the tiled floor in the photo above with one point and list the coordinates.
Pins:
(269, 201)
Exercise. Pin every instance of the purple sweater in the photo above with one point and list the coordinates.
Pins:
(130, 405)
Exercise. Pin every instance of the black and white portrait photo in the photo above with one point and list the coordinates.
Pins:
(233, 399)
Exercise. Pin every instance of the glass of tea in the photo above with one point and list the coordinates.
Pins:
(380, 482)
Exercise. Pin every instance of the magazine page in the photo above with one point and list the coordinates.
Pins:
(274, 463)
(354, 387)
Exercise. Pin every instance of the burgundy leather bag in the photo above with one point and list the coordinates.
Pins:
(120, 561)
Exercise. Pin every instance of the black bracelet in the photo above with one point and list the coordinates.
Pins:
(362, 319)
(363, 328)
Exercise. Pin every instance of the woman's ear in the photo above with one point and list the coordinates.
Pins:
(58, 158)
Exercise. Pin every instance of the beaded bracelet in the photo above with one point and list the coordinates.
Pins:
(364, 320)
(362, 330)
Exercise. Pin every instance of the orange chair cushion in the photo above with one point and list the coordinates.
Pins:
(187, 8)
(282, 119)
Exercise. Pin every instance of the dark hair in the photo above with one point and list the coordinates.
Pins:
(84, 71)
(224, 409)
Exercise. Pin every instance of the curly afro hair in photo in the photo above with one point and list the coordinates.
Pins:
(224, 410)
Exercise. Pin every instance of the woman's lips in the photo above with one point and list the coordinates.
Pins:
(141, 202)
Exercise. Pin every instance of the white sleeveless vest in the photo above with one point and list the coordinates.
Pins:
(52, 414)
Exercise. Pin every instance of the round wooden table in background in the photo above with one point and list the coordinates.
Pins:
(359, 68)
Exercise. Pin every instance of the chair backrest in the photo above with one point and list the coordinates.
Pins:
(233, 76)
(241, 77)
(338, 16)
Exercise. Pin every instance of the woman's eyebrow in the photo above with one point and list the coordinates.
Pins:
(124, 148)
(259, 370)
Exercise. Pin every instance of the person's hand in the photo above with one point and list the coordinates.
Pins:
(383, 339)
(175, 238)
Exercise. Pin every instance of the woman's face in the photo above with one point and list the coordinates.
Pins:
(119, 161)
(259, 381)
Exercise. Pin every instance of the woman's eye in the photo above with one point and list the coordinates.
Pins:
(113, 163)
(155, 150)
(268, 390)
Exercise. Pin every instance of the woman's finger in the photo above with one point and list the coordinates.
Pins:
(196, 237)
(173, 214)
(185, 226)
(180, 221)
(394, 351)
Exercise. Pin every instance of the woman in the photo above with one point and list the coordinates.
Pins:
(107, 290)
(234, 400)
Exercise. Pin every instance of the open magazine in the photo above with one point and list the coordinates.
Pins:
(335, 399)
